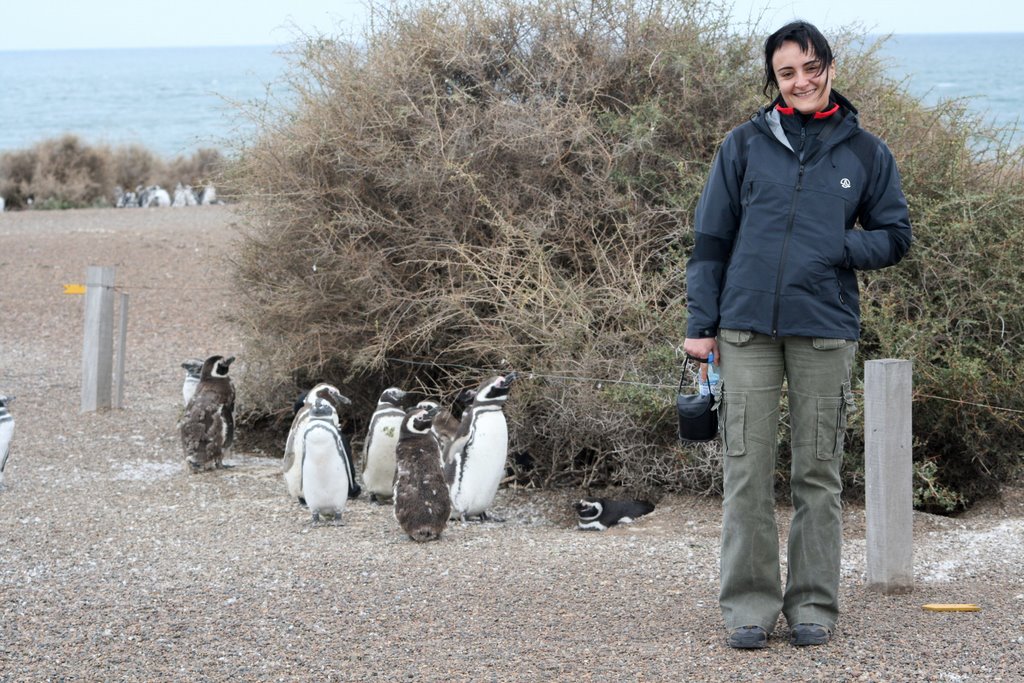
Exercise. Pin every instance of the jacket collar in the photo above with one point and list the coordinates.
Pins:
(768, 119)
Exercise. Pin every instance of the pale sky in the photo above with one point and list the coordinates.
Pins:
(63, 24)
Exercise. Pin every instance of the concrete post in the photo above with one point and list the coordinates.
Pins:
(98, 344)
(889, 475)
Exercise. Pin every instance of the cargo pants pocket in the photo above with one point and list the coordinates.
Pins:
(734, 406)
(734, 412)
(833, 412)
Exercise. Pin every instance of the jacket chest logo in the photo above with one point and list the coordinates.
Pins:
(845, 183)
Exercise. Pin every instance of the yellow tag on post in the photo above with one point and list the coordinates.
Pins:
(74, 289)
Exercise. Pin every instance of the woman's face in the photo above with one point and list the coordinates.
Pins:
(804, 85)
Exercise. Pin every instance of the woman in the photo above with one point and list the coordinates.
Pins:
(799, 198)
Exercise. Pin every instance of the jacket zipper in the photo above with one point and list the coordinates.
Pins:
(785, 249)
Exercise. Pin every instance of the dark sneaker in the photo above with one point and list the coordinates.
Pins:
(809, 634)
(747, 637)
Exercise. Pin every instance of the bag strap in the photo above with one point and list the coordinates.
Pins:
(682, 374)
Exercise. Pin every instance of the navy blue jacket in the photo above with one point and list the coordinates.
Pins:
(778, 237)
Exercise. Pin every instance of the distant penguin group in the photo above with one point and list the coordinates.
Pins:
(6, 432)
(208, 426)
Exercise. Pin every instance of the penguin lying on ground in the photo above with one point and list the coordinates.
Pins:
(291, 465)
(193, 370)
(600, 513)
(208, 426)
(6, 432)
(381, 441)
(474, 462)
(422, 504)
(325, 463)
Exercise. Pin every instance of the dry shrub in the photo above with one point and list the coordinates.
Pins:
(59, 172)
(199, 168)
(486, 187)
(476, 187)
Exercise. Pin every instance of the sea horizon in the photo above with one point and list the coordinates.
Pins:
(175, 100)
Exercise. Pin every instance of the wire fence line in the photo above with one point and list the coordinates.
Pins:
(565, 377)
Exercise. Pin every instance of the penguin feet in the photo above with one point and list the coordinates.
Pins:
(482, 517)
(326, 519)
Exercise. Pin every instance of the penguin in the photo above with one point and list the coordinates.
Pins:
(475, 460)
(600, 513)
(193, 368)
(208, 427)
(421, 502)
(381, 440)
(291, 465)
(6, 432)
(325, 464)
(446, 421)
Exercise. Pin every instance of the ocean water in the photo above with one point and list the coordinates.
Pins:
(170, 100)
(176, 100)
(985, 68)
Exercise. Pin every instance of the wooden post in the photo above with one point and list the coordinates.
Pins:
(122, 340)
(888, 474)
(97, 347)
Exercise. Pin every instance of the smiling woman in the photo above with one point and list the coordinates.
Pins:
(804, 78)
(772, 291)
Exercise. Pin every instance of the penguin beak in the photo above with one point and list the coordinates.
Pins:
(509, 378)
(228, 361)
(341, 398)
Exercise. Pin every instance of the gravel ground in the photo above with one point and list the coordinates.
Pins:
(117, 565)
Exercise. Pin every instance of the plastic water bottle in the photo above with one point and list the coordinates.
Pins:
(711, 385)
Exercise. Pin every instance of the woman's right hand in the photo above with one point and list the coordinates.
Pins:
(701, 347)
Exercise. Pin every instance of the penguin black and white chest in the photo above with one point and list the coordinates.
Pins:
(381, 442)
(475, 460)
(291, 465)
(193, 371)
(325, 467)
(598, 514)
(422, 505)
(208, 426)
(6, 432)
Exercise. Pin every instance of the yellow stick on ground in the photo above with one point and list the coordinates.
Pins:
(953, 607)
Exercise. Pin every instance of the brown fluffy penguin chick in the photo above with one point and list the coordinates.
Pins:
(422, 505)
(208, 426)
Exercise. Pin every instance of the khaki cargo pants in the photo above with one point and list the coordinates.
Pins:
(817, 372)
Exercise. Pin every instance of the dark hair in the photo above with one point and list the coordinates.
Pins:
(804, 34)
